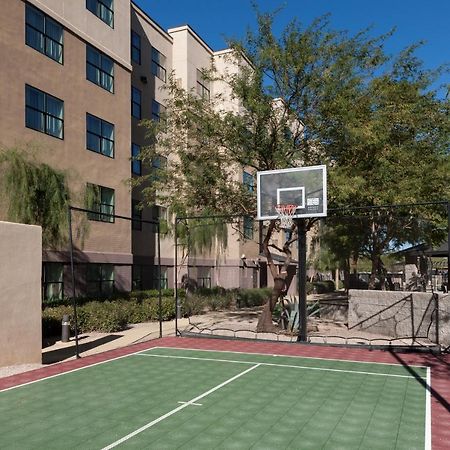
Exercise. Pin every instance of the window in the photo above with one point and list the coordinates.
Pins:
(135, 47)
(158, 212)
(158, 163)
(101, 200)
(136, 164)
(43, 34)
(135, 102)
(163, 281)
(136, 213)
(157, 110)
(103, 9)
(158, 64)
(99, 136)
(100, 279)
(204, 277)
(136, 275)
(99, 68)
(52, 281)
(248, 182)
(248, 227)
(202, 86)
(43, 112)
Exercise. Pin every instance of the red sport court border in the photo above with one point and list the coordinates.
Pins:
(439, 368)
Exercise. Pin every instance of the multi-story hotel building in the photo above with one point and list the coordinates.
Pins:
(76, 78)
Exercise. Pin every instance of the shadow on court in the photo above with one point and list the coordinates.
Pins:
(432, 361)
(64, 353)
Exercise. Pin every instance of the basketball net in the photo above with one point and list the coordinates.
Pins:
(285, 213)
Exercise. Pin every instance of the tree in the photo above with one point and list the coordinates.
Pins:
(37, 194)
(393, 147)
(297, 94)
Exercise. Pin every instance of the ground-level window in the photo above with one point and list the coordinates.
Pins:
(163, 280)
(100, 279)
(137, 277)
(204, 277)
(53, 281)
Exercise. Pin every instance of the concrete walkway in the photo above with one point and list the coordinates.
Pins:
(92, 343)
(55, 351)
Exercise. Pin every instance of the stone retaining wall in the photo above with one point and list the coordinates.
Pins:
(400, 314)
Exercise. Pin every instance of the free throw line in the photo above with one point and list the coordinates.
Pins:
(179, 408)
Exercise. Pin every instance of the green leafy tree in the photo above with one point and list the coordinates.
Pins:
(34, 193)
(305, 97)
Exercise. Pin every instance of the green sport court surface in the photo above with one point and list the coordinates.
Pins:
(167, 398)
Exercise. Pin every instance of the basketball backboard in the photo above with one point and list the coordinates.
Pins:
(305, 187)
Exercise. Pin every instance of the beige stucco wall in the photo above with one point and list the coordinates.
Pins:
(20, 294)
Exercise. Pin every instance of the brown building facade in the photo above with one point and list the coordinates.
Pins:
(76, 79)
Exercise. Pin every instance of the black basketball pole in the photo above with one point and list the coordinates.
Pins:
(301, 280)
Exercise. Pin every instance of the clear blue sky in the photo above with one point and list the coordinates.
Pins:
(215, 20)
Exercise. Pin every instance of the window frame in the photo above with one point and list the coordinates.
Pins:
(157, 67)
(163, 279)
(136, 215)
(202, 87)
(99, 215)
(248, 181)
(248, 227)
(156, 116)
(135, 103)
(102, 280)
(100, 136)
(137, 48)
(137, 269)
(44, 113)
(44, 34)
(46, 284)
(102, 71)
(135, 161)
(101, 3)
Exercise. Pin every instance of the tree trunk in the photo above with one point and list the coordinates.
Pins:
(265, 323)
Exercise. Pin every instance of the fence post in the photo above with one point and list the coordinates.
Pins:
(72, 272)
(436, 307)
(413, 331)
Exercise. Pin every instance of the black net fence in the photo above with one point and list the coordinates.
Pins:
(374, 276)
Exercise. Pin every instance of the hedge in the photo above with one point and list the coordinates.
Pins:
(107, 316)
(119, 296)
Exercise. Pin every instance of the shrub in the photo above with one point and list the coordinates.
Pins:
(52, 319)
(322, 287)
(107, 316)
(248, 298)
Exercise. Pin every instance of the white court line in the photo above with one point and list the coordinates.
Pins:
(325, 369)
(280, 356)
(428, 412)
(74, 370)
(179, 408)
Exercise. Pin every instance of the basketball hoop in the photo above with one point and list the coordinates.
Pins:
(285, 213)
